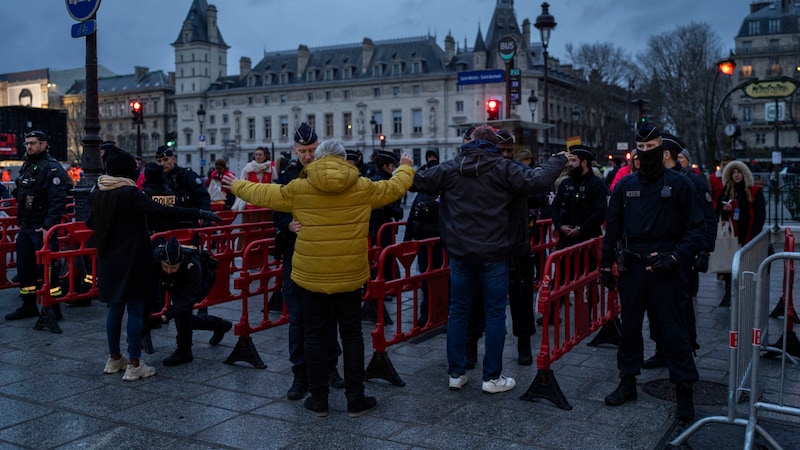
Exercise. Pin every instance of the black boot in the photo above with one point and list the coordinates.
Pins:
(626, 391)
(177, 357)
(683, 394)
(472, 354)
(27, 310)
(357, 407)
(726, 299)
(524, 351)
(317, 406)
(221, 326)
(299, 386)
(655, 361)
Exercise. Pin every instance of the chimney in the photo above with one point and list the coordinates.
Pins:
(211, 24)
(302, 59)
(171, 76)
(526, 34)
(245, 65)
(367, 51)
(449, 49)
(139, 73)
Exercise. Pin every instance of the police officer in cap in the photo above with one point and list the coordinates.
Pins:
(41, 193)
(654, 225)
(305, 143)
(673, 147)
(185, 183)
(579, 207)
(384, 166)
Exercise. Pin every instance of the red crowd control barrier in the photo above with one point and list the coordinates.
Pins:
(261, 283)
(580, 305)
(369, 311)
(542, 243)
(785, 305)
(437, 278)
(70, 270)
(9, 229)
(8, 207)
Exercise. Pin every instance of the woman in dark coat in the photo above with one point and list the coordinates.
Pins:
(124, 257)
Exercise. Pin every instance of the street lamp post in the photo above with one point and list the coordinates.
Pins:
(201, 117)
(725, 66)
(545, 24)
(533, 102)
(372, 125)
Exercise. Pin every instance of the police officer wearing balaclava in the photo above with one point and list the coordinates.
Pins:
(653, 226)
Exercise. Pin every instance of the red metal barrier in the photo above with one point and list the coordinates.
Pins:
(73, 254)
(402, 256)
(260, 283)
(580, 304)
(8, 206)
(9, 229)
(786, 304)
(541, 246)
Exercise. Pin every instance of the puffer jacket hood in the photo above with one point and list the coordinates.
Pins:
(328, 176)
(728, 173)
(478, 157)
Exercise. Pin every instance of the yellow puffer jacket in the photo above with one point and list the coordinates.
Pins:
(333, 203)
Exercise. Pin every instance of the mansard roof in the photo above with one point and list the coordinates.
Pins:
(123, 83)
(197, 18)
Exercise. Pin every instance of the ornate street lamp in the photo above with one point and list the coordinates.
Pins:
(725, 66)
(545, 24)
(533, 102)
(372, 125)
(201, 117)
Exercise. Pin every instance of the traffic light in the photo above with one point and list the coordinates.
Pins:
(171, 136)
(493, 109)
(137, 109)
(382, 138)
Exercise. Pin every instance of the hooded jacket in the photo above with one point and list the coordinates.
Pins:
(478, 187)
(752, 214)
(333, 203)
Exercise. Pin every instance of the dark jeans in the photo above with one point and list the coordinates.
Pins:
(663, 294)
(321, 312)
(294, 306)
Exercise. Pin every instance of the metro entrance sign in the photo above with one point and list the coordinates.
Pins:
(82, 10)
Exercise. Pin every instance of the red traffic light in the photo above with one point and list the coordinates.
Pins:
(382, 138)
(136, 106)
(492, 105)
(493, 109)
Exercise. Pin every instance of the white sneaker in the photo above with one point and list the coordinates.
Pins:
(115, 365)
(134, 373)
(456, 383)
(501, 384)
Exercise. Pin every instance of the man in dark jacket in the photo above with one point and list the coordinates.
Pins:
(41, 192)
(479, 186)
(185, 183)
(384, 163)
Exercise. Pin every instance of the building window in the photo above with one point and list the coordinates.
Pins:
(188, 159)
(266, 100)
(213, 139)
(329, 124)
(747, 114)
(747, 68)
(328, 74)
(378, 116)
(415, 89)
(188, 142)
(774, 26)
(348, 123)
(268, 127)
(376, 70)
(311, 120)
(346, 94)
(754, 27)
(416, 121)
(774, 45)
(761, 138)
(284, 78)
(212, 119)
(283, 99)
(250, 100)
(224, 119)
(416, 67)
(397, 122)
(251, 127)
(284, 126)
(328, 95)
(310, 97)
(395, 90)
(460, 106)
(459, 88)
(376, 92)
(348, 73)
(397, 69)
(774, 67)
(155, 106)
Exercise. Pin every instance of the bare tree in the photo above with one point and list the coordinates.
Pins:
(75, 122)
(679, 68)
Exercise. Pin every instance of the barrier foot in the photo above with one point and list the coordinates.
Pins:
(792, 346)
(778, 311)
(380, 366)
(545, 386)
(147, 344)
(48, 319)
(246, 351)
(608, 334)
(369, 313)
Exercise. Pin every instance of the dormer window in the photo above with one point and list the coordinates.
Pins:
(377, 70)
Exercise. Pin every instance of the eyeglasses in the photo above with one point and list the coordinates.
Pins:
(27, 143)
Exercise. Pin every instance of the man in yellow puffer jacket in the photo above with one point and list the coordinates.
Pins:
(333, 203)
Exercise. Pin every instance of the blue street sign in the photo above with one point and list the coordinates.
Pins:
(82, 10)
(202, 138)
(82, 29)
(482, 76)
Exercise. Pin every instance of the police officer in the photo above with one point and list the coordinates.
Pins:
(579, 207)
(185, 183)
(384, 163)
(157, 189)
(655, 218)
(180, 273)
(305, 143)
(673, 147)
(41, 192)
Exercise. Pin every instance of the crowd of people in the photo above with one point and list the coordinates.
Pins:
(658, 218)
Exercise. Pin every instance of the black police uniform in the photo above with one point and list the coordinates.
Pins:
(580, 202)
(190, 191)
(656, 214)
(41, 192)
(391, 212)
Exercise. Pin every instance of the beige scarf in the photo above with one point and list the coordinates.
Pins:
(107, 182)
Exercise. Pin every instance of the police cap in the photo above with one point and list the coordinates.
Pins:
(164, 151)
(647, 132)
(38, 134)
(172, 253)
(305, 135)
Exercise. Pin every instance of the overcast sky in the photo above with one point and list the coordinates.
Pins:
(132, 33)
